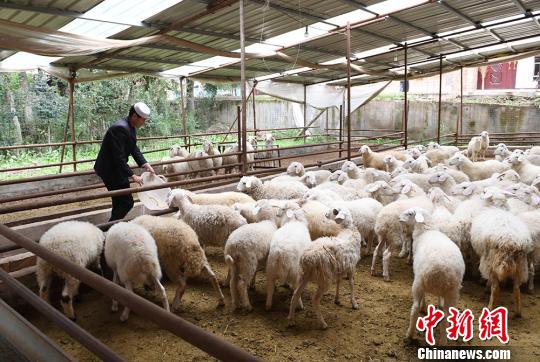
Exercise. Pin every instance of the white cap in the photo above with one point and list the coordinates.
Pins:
(142, 109)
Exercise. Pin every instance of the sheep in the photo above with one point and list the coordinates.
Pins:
(371, 175)
(254, 187)
(257, 211)
(502, 241)
(484, 135)
(227, 198)
(209, 148)
(389, 231)
(327, 197)
(501, 152)
(269, 144)
(418, 165)
(391, 163)
(438, 265)
(376, 160)
(341, 178)
(318, 224)
(414, 152)
(526, 170)
(530, 218)
(477, 170)
(79, 242)
(536, 182)
(407, 188)
(442, 180)
(286, 248)
(173, 168)
(398, 171)
(314, 178)
(180, 254)
(178, 151)
(131, 253)
(346, 193)
(420, 179)
(535, 150)
(440, 154)
(474, 148)
(295, 169)
(381, 191)
(245, 250)
(196, 164)
(252, 140)
(230, 160)
(524, 198)
(457, 175)
(351, 169)
(212, 223)
(328, 259)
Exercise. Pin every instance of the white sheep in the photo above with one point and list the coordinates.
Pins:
(227, 198)
(477, 170)
(212, 223)
(382, 192)
(474, 148)
(131, 253)
(318, 224)
(196, 164)
(180, 254)
(503, 242)
(440, 154)
(391, 163)
(79, 242)
(398, 171)
(178, 151)
(228, 161)
(314, 178)
(376, 160)
(327, 260)
(286, 248)
(484, 135)
(346, 193)
(254, 187)
(501, 152)
(174, 168)
(343, 179)
(418, 165)
(420, 179)
(257, 211)
(438, 265)
(269, 144)
(457, 175)
(327, 197)
(245, 251)
(295, 169)
(407, 189)
(530, 218)
(526, 170)
(442, 180)
(209, 148)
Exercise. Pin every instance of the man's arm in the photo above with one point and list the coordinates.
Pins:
(118, 138)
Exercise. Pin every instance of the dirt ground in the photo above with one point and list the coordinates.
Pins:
(374, 332)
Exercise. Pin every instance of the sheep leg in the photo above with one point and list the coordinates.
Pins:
(409, 250)
(233, 286)
(517, 296)
(44, 282)
(530, 288)
(227, 281)
(71, 286)
(181, 280)
(378, 249)
(317, 304)
(386, 264)
(270, 286)
(114, 307)
(354, 303)
(404, 246)
(295, 299)
(242, 288)
(494, 292)
(125, 313)
(215, 284)
(252, 282)
(338, 281)
(418, 297)
(164, 299)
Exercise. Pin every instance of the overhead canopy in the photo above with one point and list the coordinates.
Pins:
(190, 33)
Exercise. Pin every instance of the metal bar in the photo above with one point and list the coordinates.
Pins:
(243, 86)
(208, 342)
(305, 111)
(406, 104)
(457, 12)
(459, 125)
(349, 123)
(72, 110)
(183, 109)
(254, 104)
(239, 128)
(340, 128)
(65, 136)
(86, 339)
(440, 100)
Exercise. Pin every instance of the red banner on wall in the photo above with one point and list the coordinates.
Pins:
(498, 76)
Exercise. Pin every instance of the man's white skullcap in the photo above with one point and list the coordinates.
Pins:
(142, 109)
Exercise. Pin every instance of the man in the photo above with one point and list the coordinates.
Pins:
(111, 165)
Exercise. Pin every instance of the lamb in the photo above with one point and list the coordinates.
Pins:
(295, 169)
(246, 249)
(442, 180)
(419, 179)
(209, 148)
(227, 198)
(484, 135)
(477, 170)
(376, 160)
(474, 148)
(212, 223)
(286, 248)
(180, 254)
(502, 241)
(329, 259)
(131, 253)
(536, 182)
(398, 171)
(407, 188)
(269, 144)
(314, 178)
(440, 154)
(391, 163)
(257, 211)
(372, 175)
(341, 178)
(526, 170)
(254, 187)
(530, 218)
(369, 175)
(346, 193)
(352, 170)
(230, 160)
(389, 231)
(501, 152)
(174, 168)
(178, 151)
(381, 191)
(196, 164)
(418, 165)
(79, 242)
(327, 197)
(457, 175)
(438, 265)
(252, 140)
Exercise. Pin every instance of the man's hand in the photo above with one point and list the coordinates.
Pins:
(147, 167)
(137, 179)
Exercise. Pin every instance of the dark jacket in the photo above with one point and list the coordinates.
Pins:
(119, 142)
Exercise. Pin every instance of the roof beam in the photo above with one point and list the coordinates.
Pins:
(458, 13)
(359, 5)
(525, 11)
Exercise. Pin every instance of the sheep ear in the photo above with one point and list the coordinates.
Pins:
(339, 218)
(468, 190)
(419, 217)
(290, 213)
(521, 158)
(487, 195)
(372, 187)
(535, 199)
(256, 209)
(443, 177)
(406, 189)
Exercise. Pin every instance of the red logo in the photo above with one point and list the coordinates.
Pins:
(460, 324)
(494, 324)
(429, 322)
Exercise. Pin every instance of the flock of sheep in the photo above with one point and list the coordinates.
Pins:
(447, 214)
(208, 161)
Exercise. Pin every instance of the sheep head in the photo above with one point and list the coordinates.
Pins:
(295, 169)
(339, 215)
(414, 215)
(466, 188)
(247, 183)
